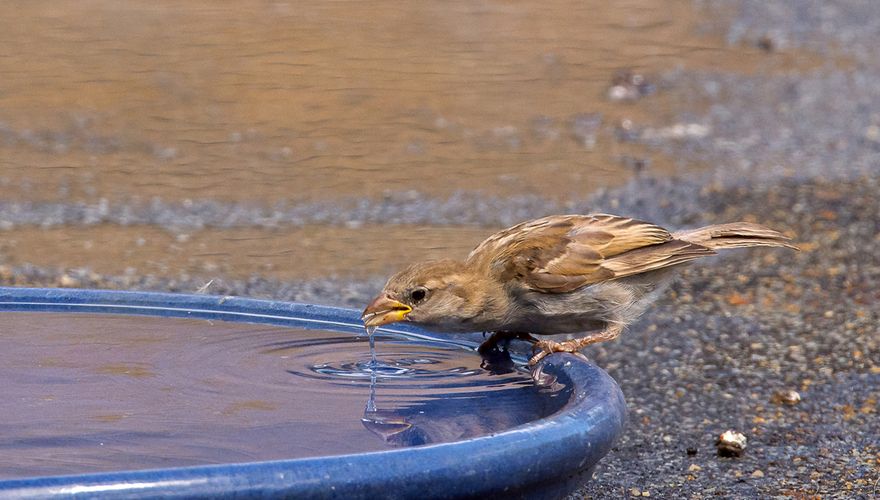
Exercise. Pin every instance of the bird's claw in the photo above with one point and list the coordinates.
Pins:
(545, 347)
(538, 357)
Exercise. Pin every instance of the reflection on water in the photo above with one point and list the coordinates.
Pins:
(86, 393)
(420, 395)
(277, 100)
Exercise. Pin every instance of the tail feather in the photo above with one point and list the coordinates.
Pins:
(735, 235)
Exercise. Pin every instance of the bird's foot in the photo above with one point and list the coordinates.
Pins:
(545, 347)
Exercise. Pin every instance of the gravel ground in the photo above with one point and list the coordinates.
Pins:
(737, 331)
(798, 152)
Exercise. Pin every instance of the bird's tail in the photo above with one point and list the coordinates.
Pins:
(735, 235)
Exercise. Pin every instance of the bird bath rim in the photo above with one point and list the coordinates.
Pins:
(542, 458)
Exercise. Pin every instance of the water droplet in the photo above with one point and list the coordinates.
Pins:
(373, 361)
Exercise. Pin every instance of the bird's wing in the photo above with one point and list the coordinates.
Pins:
(562, 253)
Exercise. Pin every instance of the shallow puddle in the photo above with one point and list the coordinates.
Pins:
(141, 107)
(272, 101)
(90, 392)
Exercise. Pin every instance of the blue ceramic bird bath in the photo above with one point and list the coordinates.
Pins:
(135, 395)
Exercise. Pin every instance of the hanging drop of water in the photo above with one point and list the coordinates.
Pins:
(371, 403)
(373, 361)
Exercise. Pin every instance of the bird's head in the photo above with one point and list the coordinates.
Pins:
(436, 293)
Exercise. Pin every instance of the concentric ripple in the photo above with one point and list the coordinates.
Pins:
(399, 362)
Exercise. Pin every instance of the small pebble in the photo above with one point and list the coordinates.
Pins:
(731, 443)
(68, 281)
(766, 43)
(629, 86)
(758, 474)
(787, 397)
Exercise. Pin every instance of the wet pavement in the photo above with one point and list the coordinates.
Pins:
(780, 127)
(263, 117)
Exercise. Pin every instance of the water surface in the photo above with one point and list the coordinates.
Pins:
(91, 392)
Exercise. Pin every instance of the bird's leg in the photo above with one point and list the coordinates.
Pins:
(504, 338)
(545, 347)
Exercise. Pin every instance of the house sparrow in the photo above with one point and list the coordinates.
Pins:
(562, 274)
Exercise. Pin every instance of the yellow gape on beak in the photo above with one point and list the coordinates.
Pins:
(383, 310)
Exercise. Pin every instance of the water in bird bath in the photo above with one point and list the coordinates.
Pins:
(98, 392)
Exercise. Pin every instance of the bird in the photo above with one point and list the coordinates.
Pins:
(586, 277)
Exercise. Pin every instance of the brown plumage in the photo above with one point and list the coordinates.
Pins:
(561, 274)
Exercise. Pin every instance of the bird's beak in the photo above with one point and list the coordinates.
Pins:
(383, 310)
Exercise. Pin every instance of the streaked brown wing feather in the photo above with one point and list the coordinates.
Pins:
(736, 235)
(628, 234)
(655, 257)
(562, 253)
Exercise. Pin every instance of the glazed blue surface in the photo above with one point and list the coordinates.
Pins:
(542, 459)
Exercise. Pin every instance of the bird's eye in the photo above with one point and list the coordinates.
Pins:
(418, 294)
